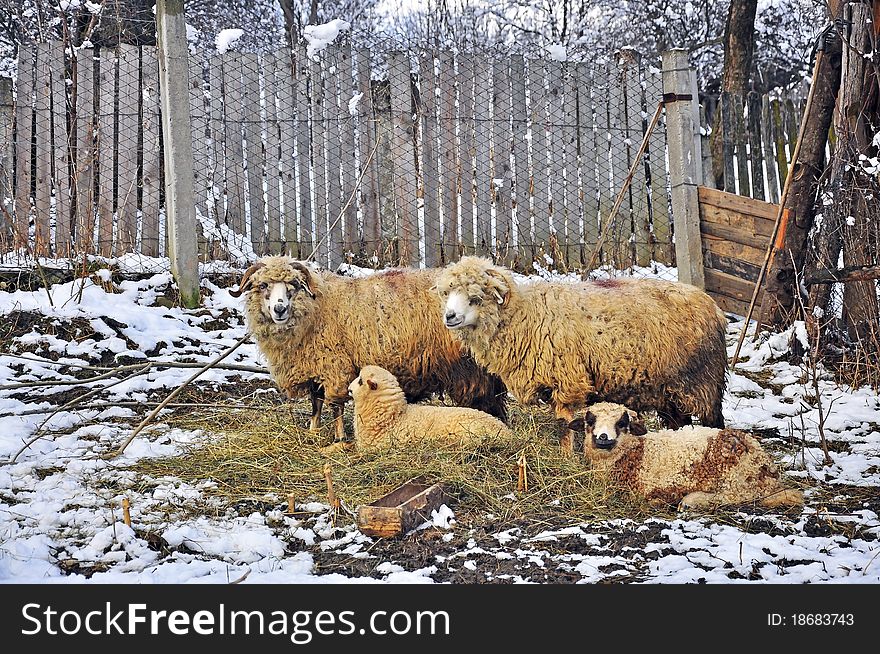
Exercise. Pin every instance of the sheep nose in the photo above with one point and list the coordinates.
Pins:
(279, 309)
(603, 441)
(450, 315)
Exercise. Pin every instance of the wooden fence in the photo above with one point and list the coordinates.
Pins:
(759, 133)
(735, 231)
(399, 157)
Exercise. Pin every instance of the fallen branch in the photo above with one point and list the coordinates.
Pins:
(843, 275)
(174, 394)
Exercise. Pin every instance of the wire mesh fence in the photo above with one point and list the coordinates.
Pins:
(351, 155)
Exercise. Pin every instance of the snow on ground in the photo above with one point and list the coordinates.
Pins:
(60, 519)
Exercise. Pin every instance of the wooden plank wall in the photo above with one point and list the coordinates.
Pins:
(442, 155)
(735, 232)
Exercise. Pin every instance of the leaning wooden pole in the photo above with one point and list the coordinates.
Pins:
(777, 236)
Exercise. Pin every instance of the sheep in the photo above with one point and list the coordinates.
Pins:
(317, 330)
(647, 343)
(693, 467)
(383, 418)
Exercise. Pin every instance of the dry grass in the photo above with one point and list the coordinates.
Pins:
(267, 451)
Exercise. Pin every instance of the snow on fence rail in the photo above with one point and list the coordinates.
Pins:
(371, 157)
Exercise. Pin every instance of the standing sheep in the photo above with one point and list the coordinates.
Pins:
(317, 330)
(646, 343)
(382, 416)
(693, 467)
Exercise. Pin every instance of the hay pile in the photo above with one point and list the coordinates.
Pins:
(268, 452)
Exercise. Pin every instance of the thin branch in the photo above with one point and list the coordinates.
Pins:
(174, 394)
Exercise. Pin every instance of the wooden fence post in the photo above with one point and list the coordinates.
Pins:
(180, 212)
(685, 161)
(6, 158)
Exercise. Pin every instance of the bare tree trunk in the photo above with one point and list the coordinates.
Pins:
(739, 45)
(292, 22)
(801, 198)
(859, 298)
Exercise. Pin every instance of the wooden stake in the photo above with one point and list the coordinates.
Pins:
(331, 493)
(290, 503)
(126, 514)
(522, 483)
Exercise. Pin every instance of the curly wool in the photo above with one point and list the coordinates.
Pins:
(382, 417)
(696, 467)
(388, 319)
(648, 344)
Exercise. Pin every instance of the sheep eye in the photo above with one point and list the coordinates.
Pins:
(476, 301)
(360, 382)
(263, 286)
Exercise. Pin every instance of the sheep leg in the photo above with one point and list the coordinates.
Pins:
(338, 408)
(565, 415)
(783, 497)
(317, 404)
(699, 500)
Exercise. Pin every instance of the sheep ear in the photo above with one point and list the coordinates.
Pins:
(502, 290)
(373, 385)
(246, 283)
(308, 287)
(637, 428)
(577, 425)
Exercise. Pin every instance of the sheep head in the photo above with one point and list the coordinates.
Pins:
(280, 287)
(373, 383)
(472, 292)
(605, 425)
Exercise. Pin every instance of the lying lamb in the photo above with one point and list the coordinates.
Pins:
(694, 467)
(383, 418)
(646, 343)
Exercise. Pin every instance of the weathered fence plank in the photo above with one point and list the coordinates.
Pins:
(405, 183)
(285, 116)
(368, 145)
(199, 112)
(741, 143)
(522, 209)
(319, 159)
(638, 186)
(255, 161)
(430, 168)
(273, 84)
(233, 150)
(768, 155)
(61, 146)
(663, 251)
(151, 163)
(449, 165)
(589, 152)
(7, 163)
(347, 87)
(304, 154)
(106, 161)
(620, 245)
(127, 137)
(24, 122)
(728, 125)
(540, 173)
(466, 113)
(503, 173)
(43, 152)
(332, 118)
(483, 131)
(86, 125)
(556, 169)
(571, 218)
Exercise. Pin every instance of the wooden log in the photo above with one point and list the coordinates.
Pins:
(368, 146)
(502, 145)
(61, 147)
(405, 182)
(845, 275)
(733, 249)
(663, 249)
(150, 166)
(483, 134)
(24, 123)
(43, 152)
(744, 270)
(522, 198)
(401, 510)
(733, 234)
(449, 163)
(773, 186)
(466, 115)
(430, 168)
